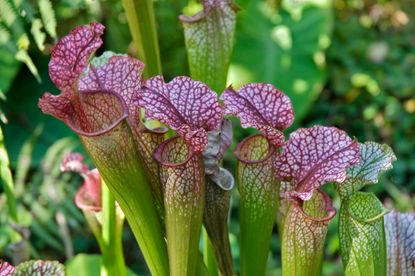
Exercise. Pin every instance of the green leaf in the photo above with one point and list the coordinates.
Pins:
(86, 265)
(362, 236)
(141, 19)
(9, 66)
(209, 37)
(6, 180)
(23, 95)
(304, 233)
(374, 159)
(284, 48)
(48, 17)
(37, 33)
(400, 240)
(23, 56)
(40, 267)
(8, 13)
(113, 262)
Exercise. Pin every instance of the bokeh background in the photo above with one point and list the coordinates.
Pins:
(345, 63)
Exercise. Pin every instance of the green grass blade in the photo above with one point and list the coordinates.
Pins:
(142, 22)
(7, 180)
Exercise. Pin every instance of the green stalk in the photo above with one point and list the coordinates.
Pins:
(208, 255)
(7, 179)
(113, 257)
(142, 22)
(8, 185)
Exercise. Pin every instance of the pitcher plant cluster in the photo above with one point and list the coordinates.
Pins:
(168, 188)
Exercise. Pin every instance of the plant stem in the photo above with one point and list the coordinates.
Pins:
(142, 22)
(208, 256)
(7, 179)
(113, 257)
(8, 186)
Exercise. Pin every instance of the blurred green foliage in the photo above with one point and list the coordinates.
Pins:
(370, 91)
(349, 64)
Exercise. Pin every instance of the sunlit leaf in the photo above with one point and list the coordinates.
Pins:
(8, 13)
(48, 16)
(285, 48)
(37, 33)
(87, 265)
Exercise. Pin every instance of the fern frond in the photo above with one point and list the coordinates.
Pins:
(37, 33)
(24, 57)
(7, 13)
(48, 17)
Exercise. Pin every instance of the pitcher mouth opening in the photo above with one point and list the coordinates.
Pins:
(97, 112)
(173, 152)
(254, 149)
(328, 205)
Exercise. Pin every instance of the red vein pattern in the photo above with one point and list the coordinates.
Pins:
(39, 267)
(71, 54)
(121, 75)
(400, 241)
(259, 198)
(315, 156)
(91, 113)
(305, 229)
(104, 115)
(261, 106)
(187, 106)
(209, 38)
(88, 196)
(182, 175)
(6, 269)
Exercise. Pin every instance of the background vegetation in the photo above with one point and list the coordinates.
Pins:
(345, 63)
